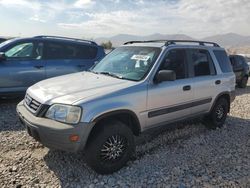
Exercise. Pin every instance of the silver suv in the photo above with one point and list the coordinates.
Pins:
(138, 86)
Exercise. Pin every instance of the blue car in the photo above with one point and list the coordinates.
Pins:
(26, 61)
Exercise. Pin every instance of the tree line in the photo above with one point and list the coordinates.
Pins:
(107, 45)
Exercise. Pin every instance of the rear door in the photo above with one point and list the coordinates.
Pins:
(23, 67)
(64, 58)
(206, 81)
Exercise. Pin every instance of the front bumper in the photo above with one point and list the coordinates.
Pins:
(53, 134)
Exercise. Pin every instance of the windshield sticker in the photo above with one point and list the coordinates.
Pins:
(140, 57)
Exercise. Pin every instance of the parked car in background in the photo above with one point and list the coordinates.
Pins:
(241, 69)
(136, 87)
(25, 61)
(3, 39)
(248, 61)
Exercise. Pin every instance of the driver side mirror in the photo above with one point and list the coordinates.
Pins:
(165, 75)
(2, 56)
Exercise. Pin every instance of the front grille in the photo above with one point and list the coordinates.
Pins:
(31, 103)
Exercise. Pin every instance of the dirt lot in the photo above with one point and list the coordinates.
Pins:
(187, 156)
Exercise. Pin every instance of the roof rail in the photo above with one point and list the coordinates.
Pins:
(170, 42)
(66, 38)
(143, 41)
(201, 43)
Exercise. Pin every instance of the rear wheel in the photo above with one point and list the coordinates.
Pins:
(243, 82)
(110, 147)
(218, 114)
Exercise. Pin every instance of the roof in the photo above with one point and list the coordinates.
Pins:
(57, 38)
(65, 38)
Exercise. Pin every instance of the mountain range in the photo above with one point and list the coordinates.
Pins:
(228, 40)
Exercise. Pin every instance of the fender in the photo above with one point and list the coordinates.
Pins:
(136, 129)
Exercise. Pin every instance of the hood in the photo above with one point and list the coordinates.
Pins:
(71, 88)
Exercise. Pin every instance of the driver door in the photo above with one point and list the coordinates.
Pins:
(22, 68)
(171, 100)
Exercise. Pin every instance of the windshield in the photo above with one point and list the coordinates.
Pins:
(131, 63)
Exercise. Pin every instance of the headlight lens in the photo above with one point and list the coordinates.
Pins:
(64, 113)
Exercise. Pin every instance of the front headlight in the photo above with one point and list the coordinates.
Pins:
(64, 113)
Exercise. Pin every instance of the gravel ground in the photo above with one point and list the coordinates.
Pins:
(187, 156)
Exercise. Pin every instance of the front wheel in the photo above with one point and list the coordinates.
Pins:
(218, 115)
(110, 147)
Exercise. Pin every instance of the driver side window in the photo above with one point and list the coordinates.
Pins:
(26, 50)
(176, 60)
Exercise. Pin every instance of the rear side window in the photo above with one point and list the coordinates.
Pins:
(223, 60)
(86, 52)
(202, 62)
(70, 51)
(80, 52)
(54, 51)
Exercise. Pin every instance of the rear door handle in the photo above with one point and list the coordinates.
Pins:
(217, 82)
(38, 66)
(186, 88)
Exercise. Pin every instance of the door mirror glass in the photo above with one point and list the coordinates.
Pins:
(2, 56)
(165, 75)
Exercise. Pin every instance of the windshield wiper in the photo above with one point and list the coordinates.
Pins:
(106, 73)
(93, 71)
(110, 74)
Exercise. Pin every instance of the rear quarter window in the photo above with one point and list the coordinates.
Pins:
(223, 60)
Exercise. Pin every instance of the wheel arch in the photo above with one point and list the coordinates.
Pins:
(126, 116)
(225, 95)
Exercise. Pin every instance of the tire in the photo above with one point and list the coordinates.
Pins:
(243, 82)
(218, 114)
(101, 155)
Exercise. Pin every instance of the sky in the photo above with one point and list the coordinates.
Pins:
(105, 18)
